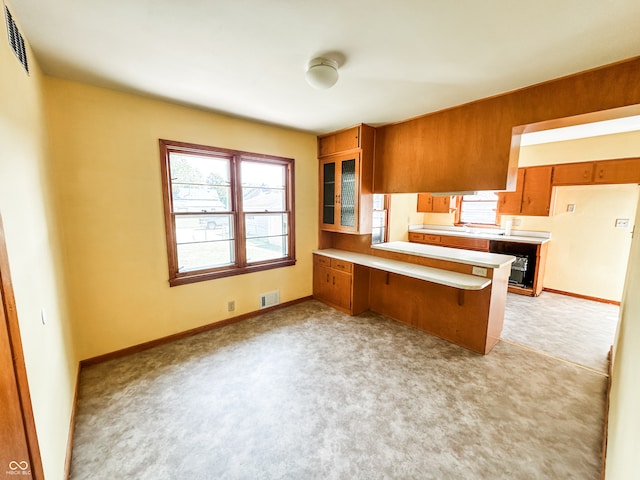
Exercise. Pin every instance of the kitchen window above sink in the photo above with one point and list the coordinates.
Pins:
(478, 209)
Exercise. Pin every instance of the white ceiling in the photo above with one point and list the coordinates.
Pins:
(398, 59)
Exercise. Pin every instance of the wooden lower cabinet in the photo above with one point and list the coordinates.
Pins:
(467, 318)
(341, 284)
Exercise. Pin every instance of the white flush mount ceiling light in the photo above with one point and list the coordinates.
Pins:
(322, 73)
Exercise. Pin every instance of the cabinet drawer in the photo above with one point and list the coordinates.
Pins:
(432, 238)
(341, 265)
(463, 242)
(416, 237)
(321, 260)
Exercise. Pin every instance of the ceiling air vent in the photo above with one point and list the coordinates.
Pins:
(15, 40)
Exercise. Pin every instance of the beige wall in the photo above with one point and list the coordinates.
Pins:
(587, 254)
(402, 212)
(604, 147)
(30, 225)
(105, 147)
(623, 448)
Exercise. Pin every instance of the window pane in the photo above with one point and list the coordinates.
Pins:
(377, 235)
(204, 241)
(269, 248)
(200, 198)
(263, 199)
(188, 168)
(200, 183)
(378, 201)
(196, 256)
(265, 225)
(378, 219)
(255, 174)
(478, 212)
(267, 237)
(203, 228)
(479, 208)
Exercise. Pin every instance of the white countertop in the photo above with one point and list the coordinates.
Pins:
(469, 257)
(462, 281)
(535, 238)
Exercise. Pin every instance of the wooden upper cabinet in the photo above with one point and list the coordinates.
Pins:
(625, 170)
(532, 195)
(441, 204)
(425, 202)
(428, 203)
(509, 203)
(346, 182)
(536, 193)
(338, 142)
(469, 147)
(459, 149)
(573, 174)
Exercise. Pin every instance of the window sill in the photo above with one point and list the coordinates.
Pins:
(193, 277)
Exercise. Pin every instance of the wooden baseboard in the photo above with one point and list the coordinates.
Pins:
(584, 297)
(72, 426)
(187, 333)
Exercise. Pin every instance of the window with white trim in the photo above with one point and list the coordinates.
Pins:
(478, 209)
(227, 212)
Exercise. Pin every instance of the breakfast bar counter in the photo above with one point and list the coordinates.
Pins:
(458, 295)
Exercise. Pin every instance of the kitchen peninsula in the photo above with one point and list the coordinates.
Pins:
(458, 295)
(530, 248)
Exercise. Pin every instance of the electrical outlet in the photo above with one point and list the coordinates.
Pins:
(479, 271)
(571, 207)
(516, 222)
(622, 223)
(231, 305)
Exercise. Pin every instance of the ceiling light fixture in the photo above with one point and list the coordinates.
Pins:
(322, 73)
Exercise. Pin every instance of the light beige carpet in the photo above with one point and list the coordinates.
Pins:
(310, 393)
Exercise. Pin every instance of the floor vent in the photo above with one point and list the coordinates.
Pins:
(15, 39)
(269, 299)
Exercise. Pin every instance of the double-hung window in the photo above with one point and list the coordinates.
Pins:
(227, 212)
(478, 209)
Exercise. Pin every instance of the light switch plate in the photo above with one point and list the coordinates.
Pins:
(571, 208)
(479, 271)
(622, 223)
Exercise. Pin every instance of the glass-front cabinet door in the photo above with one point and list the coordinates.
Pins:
(339, 185)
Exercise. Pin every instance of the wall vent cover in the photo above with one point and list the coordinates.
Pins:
(269, 299)
(15, 39)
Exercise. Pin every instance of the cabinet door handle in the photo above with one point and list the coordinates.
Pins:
(327, 278)
(334, 280)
